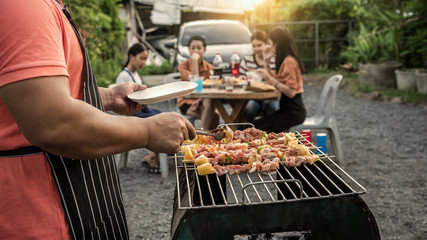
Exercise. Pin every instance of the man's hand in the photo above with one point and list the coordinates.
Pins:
(167, 132)
(115, 98)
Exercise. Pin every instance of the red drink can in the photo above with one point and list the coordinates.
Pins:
(307, 134)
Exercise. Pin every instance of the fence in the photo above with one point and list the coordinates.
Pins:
(317, 40)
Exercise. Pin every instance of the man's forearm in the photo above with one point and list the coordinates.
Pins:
(94, 134)
(49, 118)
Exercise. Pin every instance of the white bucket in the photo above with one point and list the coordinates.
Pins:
(421, 77)
(406, 79)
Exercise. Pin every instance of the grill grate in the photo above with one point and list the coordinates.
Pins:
(323, 179)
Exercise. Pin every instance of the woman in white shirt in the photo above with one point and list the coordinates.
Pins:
(137, 57)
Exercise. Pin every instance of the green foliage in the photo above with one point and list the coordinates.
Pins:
(414, 40)
(164, 68)
(312, 10)
(102, 32)
(321, 69)
(307, 10)
(106, 71)
(398, 28)
(373, 47)
(390, 30)
(415, 53)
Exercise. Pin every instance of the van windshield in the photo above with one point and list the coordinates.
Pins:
(221, 33)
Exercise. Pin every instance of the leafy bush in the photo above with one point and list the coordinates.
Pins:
(399, 27)
(415, 53)
(393, 30)
(102, 32)
(373, 47)
(164, 68)
(106, 71)
(414, 37)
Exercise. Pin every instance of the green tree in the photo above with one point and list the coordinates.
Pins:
(102, 32)
(399, 27)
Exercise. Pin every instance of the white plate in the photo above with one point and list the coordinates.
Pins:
(162, 92)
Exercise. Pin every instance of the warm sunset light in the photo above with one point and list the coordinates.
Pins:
(248, 5)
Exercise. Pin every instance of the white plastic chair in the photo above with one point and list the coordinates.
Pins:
(324, 118)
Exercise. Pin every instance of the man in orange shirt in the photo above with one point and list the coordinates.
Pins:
(202, 109)
(52, 115)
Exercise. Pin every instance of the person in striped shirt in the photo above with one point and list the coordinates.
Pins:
(255, 60)
(248, 66)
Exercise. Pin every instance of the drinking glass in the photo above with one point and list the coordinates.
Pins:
(215, 81)
(228, 83)
(198, 80)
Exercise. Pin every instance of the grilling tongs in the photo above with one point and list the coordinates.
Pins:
(218, 133)
(215, 133)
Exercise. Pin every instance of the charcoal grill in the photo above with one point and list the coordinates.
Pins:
(319, 201)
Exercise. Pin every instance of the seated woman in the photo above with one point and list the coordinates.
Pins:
(137, 57)
(251, 63)
(202, 109)
(288, 80)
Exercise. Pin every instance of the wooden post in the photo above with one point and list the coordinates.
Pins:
(317, 44)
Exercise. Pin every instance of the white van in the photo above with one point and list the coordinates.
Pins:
(221, 36)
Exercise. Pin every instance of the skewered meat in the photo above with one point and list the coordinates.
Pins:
(249, 150)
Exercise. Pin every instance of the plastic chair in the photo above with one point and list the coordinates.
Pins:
(324, 118)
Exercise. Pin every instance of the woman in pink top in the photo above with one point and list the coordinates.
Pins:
(288, 80)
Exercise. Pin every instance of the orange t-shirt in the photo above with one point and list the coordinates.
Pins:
(185, 70)
(290, 74)
(36, 40)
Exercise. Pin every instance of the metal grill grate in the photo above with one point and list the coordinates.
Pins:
(323, 179)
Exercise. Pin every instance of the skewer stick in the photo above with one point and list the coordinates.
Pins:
(323, 154)
(188, 161)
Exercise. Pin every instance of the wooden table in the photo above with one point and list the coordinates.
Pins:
(238, 99)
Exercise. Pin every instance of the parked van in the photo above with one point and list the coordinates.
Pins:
(221, 36)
